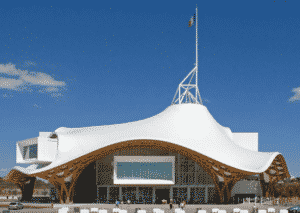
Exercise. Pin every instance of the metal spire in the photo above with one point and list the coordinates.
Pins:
(188, 91)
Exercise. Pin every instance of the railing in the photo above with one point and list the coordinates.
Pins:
(283, 201)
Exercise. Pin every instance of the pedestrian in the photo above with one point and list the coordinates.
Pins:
(171, 202)
(182, 204)
(117, 203)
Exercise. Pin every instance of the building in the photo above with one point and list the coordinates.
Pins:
(182, 153)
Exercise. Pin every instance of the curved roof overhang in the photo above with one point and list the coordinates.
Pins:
(188, 126)
(217, 170)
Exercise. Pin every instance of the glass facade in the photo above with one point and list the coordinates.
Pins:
(192, 184)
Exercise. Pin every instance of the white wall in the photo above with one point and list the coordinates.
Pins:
(19, 157)
(247, 140)
(46, 149)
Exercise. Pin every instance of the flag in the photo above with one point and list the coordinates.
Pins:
(191, 21)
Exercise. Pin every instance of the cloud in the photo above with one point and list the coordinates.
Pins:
(29, 63)
(38, 78)
(7, 95)
(3, 170)
(56, 95)
(22, 79)
(10, 83)
(296, 96)
(35, 105)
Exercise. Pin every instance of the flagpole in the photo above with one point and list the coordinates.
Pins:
(196, 53)
(187, 96)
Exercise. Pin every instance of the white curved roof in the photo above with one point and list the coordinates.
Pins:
(187, 125)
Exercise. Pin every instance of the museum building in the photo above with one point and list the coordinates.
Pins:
(182, 153)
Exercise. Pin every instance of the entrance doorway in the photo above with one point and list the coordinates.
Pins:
(102, 194)
(145, 195)
(162, 194)
(128, 193)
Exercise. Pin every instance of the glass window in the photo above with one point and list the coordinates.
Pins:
(145, 170)
(33, 151)
(25, 151)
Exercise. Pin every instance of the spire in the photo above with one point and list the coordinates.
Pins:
(188, 91)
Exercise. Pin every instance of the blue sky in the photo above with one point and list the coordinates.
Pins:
(95, 63)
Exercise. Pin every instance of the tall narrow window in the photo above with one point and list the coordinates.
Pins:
(33, 151)
(25, 151)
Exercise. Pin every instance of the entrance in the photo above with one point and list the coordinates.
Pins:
(197, 195)
(145, 195)
(162, 194)
(102, 194)
(129, 193)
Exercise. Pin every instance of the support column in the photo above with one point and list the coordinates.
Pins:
(226, 194)
(97, 194)
(195, 174)
(61, 197)
(137, 194)
(153, 195)
(188, 194)
(120, 194)
(171, 193)
(206, 194)
(27, 188)
(108, 194)
(221, 192)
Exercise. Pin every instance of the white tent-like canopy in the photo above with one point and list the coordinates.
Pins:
(187, 125)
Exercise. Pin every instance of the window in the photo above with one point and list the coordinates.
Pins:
(30, 151)
(144, 170)
(33, 151)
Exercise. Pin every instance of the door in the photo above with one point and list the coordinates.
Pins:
(102, 194)
(162, 194)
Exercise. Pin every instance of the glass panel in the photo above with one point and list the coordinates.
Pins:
(33, 151)
(24, 151)
(129, 193)
(145, 195)
(144, 170)
(113, 194)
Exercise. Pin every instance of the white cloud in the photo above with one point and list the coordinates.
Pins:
(38, 78)
(19, 79)
(56, 95)
(29, 63)
(296, 96)
(3, 170)
(10, 83)
(35, 105)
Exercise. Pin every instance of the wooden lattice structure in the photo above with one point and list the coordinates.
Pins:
(64, 177)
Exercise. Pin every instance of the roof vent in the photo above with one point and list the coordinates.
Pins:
(53, 136)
